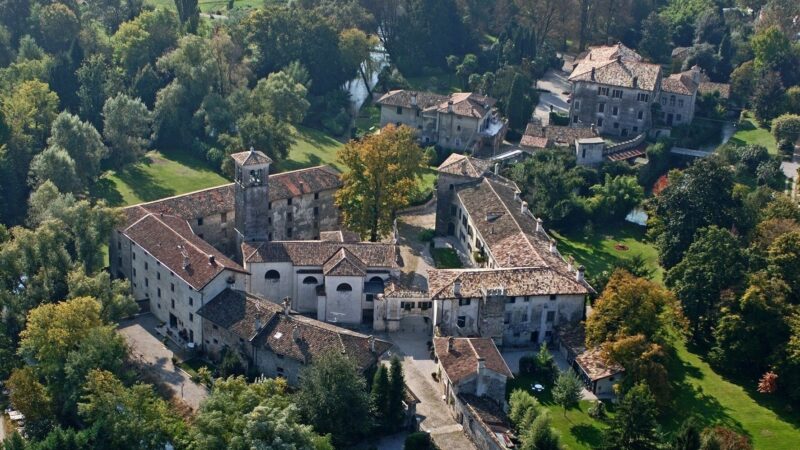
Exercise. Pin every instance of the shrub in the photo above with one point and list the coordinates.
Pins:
(597, 410)
(419, 441)
(558, 119)
(426, 235)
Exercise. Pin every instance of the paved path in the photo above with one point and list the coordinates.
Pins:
(417, 259)
(2, 427)
(146, 347)
(790, 170)
(436, 418)
(555, 83)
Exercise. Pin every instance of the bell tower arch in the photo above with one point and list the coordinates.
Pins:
(251, 186)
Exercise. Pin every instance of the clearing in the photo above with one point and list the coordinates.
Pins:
(748, 132)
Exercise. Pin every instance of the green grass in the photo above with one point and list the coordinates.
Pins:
(157, 176)
(369, 118)
(748, 132)
(209, 6)
(446, 258)
(598, 252)
(576, 429)
(311, 148)
(442, 83)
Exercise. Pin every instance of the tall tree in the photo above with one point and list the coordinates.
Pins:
(379, 396)
(567, 390)
(634, 427)
(687, 437)
(541, 435)
(333, 398)
(655, 42)
(784, 261)
(280, 96)
(396, 394)
(83, 143)
(54, 165)
(126, 128)
(555, 179)
(383, 175)
(188, 14)
(615, 198)
(515, 104)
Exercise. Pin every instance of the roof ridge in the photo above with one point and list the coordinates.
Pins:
(519, 227)
(143, 204)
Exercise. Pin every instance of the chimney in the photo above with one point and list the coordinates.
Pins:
(619, 58)
(211, 260)
(594, 129)
(371, 340)
(252, 150)
(186, 263)
(413, 99)
(296, 333)
(592, 73)
(450, 344)
(497, 168)
(481, 364)
(635, 81)
(258, 324)
(580, 274)
(516, 195)
(480, 388)
(523, 208)
(539, 225)
(286, 304)
(449, 106)
(553, 248)
(457, 288)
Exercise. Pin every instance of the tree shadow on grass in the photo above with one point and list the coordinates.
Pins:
(107, 190)
(317, 138)
(586, 434)
(291, 164)
(182, 157)
(143, 184)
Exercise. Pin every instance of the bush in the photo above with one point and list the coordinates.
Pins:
(558, 119)
(426, 235)
(230, 364)
(597, 410)
(419, 441)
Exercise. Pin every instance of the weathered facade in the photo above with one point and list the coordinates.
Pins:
(460, 121)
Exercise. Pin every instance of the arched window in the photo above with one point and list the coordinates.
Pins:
(273, 276)
(309, 280)
(344, 287)
(376, 279)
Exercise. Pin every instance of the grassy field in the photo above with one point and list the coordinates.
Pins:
(749, 132)
(158, 175)
(599, 250)
(311, 148)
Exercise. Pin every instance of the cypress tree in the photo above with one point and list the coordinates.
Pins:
(380, 396)
(397, 386)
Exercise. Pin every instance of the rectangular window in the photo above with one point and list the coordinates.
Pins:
(133, 255)
(599, 121)
(146, 266)
(615, 111)
(680, 103)
(552, 296)
(671, 100)
(370, 297)
(269, 205)
(172, 287)
(643, 97)
(158, 292)
(407, 305)
(216, 341)
(147, 282)
(601, 107)
(616, 125)
(288, 232)
(119, 245)
(602, 91)
(551, 316)
(279, 356)
(511, 299)
(577, 105)
(191, 317)
(200, 221)
(574, 119)
(158, 275)
(525, 317)
(224, 217)
(316, 195)
(269, 220)
(289, 217)
(172, 303)
(289, 202)
(679, 118)
(635, 129)
(425, 305)
(461, 321)
(279, 370)
(464, 301)
(191, 301)
(316, 211)
(617, 93)
(399, 110)
(640, 115)
(134, 271)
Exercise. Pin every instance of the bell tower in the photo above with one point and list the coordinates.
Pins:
(251, 188)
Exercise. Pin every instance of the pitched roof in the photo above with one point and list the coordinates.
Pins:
(461, 362)
(344, 264)
(679, 83)
(616, 65)
(491, 417)
(533, 141)
(396, 288)
(317, 253)
(465, 166)
(237, 311)
(556, 135)
(706, 87)
(594, 366)
(339, 236)
(513, 282)
(466, 104)
(173, 243)
(406, 99)
(217, 200)
(252, 157)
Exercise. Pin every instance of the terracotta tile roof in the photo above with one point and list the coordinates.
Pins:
(171, 241)
(558, 135)
(339, 236)
(573, 336)
(616, 65)
(317, 253)
(217, 200)
(706, 87)
(593, 365)
(238, 311)
(344, 264)
(465, 166)
(466, 104)
(405, 98)
(396, 288)
(513, 282)
(251, 157)
(533, 141)
(461, 362)
(679, 83)
(491, 417)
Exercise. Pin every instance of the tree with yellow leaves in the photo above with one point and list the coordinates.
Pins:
(383, 176)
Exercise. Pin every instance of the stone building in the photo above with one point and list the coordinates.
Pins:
(402, 308)
(473, 376)
(678, 95)
(274, 341)
(598, 376)
(538, 137)
(460, 121)
(614, 89)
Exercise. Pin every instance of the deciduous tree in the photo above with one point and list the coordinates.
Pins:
(126, 128)
(384, 172)
(83, 143)
(281, 97)
(634, 427)
(567, 390)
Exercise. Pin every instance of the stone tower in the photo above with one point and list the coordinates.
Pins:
(251, 196)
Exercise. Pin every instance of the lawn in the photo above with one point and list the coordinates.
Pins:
(311, 148)
(157, 176)
(446, 258)
(748, 132)
(599, 250)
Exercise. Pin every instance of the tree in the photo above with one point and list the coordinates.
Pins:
(239, 416)
(523, 409)
(96, 79)
(188, 14)
(615, 198)
(83, 143)
(127, 417)
(567, 390)
(396, 395)
(687, 437)
(29, 396)
(541, 435)
(786, 128)
(713, 262)
(54, 165)
(126, 128)
(114, 295)
(630, 306)
(280, 96)
(643, 361)
(768, 101)
(379, 396)
(555, 179)
(723, 438)
(264, 133)
(516, 110)
(333, 398)
(29, 111)
(768, 383)
(142, 40)
(655, 42)
(383, 176)
(784, 261)
(355, 47)
(58, 27)
(634, 427)
(696, 198)
(419, 440)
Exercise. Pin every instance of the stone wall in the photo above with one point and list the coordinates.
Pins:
(585, 109)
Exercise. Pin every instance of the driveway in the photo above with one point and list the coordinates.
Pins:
(417, 259)
(146, 347)
(555, 83)
(417, 368)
